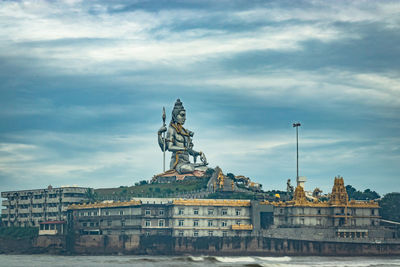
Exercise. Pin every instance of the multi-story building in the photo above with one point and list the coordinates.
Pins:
(157, 216)
(210, 217)
(107, 218)
(31, 207)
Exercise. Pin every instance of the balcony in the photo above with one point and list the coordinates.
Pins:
(37, 210)
(25, 201)
(52, 209)
(23, 211)
(53, 200)
(38, 201)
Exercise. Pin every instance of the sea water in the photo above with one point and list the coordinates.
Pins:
(158, 261)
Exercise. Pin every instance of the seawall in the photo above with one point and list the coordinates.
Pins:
(167, 245)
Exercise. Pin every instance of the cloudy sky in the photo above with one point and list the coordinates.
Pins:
(83, 83)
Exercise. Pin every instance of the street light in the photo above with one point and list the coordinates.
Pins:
(296, 125)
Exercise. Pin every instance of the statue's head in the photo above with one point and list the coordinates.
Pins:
(178, 113)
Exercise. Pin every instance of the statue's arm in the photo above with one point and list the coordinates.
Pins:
(161, 141)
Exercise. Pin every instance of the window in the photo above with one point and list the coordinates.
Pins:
(237, 222)
(319, 211)
(210, 223)
(210, 212)
(108, 232)
(121, 212)
(223, 224)
(224, 233)
(147, 233)
(180, 223)
(161, 223)
(95, 213)
(373, 212)
(195, 233)
(301, 221)
(318, 221)
(180, 233)
(147, 212)
(91, 224)
(196, 212)
(122, 223)
(210, 233)
(161, 212)
(109, 223)
(237, 212)
(181, 212)
(82, 214)
(195, 223)
(224, 212)
(107, 213)
(148, 223)
(83, 224)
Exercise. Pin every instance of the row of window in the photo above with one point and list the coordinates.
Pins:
(26, 206)
(210, 223)
(95, 213)
(210, 233)
(49, 196)
(148, 212)
(181, 211)
(26, 215)
(341, 212)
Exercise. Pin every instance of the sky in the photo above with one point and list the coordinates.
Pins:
(83, 84)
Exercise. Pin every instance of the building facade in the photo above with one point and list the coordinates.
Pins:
(349, 218)
(211, 217)
(31, 207)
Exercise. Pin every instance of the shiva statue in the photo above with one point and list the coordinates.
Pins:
(178, 140)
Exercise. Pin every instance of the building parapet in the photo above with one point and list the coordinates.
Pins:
(212, 202)
(104, 205)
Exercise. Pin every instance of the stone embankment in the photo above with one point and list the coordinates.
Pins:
(167, 245)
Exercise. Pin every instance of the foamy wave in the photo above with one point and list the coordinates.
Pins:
(279, 259)
(192, 258)
(235, 259)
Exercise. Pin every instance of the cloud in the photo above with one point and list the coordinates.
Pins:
(82, 85)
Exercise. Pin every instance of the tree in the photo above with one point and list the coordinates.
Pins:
(230, 175)
(390, 207)
(91, 195)
(358, 195)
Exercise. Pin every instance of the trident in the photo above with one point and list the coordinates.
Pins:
(163, 118)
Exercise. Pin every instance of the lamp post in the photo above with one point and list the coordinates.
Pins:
(296, 125)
